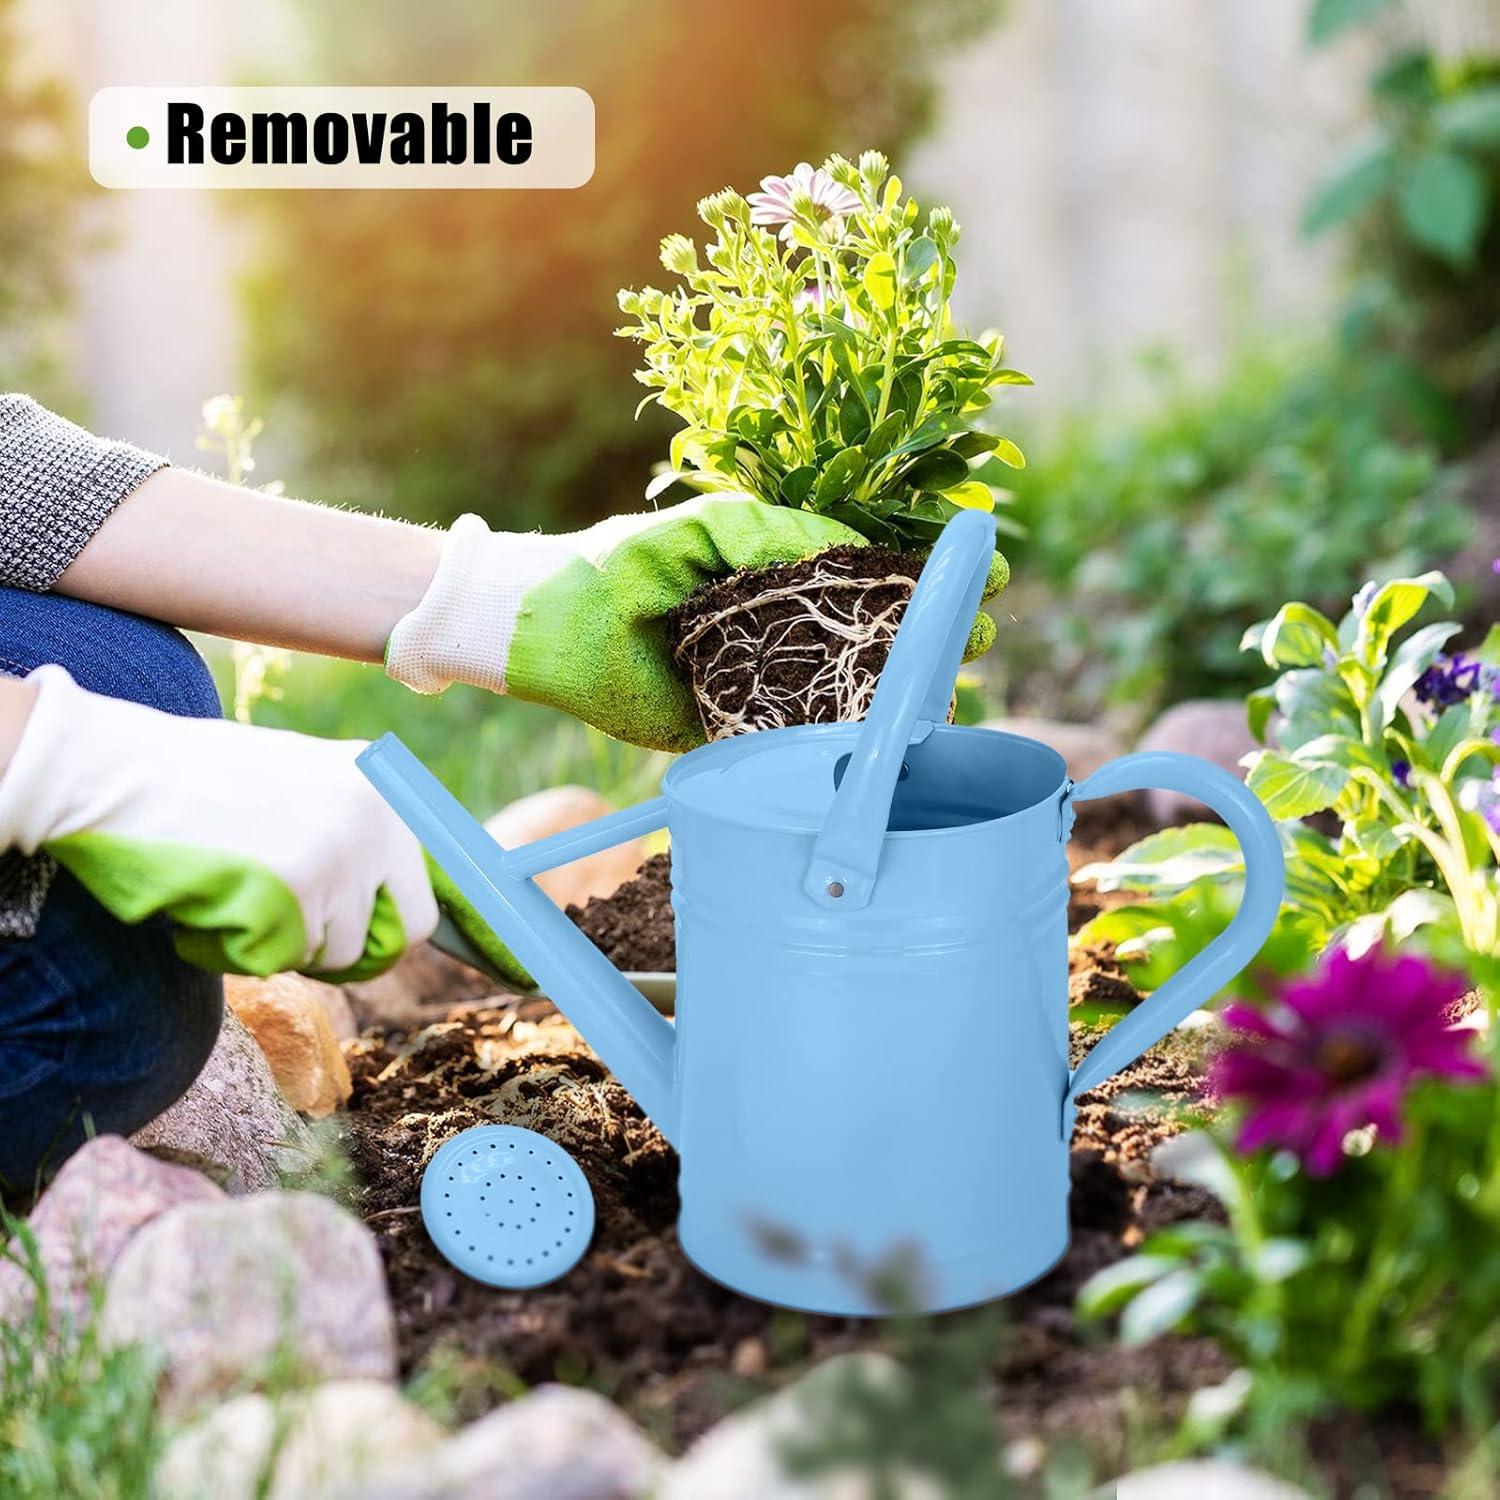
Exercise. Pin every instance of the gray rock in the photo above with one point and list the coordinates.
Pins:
(1212, 729)
(558, 1443)
(105, 1192)
(1205, 1477)
(1085, 747)
(741, 1458)
(232, 1292)
(323, 1440)
(234, 1115)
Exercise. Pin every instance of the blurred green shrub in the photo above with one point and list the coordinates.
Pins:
(41, 180)
(451, 351)
(1161, 537)
(1420, 196)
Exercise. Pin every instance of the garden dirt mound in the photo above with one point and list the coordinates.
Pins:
(634, 1317)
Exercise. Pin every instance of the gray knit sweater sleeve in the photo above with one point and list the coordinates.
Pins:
(58, 485)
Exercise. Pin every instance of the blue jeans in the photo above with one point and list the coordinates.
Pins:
(102, 1026)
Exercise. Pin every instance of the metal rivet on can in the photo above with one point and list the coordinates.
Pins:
(835, 888)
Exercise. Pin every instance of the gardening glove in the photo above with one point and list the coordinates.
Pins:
(577, 621)
(267, 850)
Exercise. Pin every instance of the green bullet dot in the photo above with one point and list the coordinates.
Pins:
(137, 137)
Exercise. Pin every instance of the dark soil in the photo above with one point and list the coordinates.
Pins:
(769, 657)
(674, 1348)
(634, 928)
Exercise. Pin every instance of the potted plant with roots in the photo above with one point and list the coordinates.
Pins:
(814, 362)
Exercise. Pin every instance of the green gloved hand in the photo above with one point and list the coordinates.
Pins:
(577, 621)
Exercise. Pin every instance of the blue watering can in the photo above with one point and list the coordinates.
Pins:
(870, 1053)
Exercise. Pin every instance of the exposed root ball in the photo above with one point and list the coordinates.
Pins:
(803, 643)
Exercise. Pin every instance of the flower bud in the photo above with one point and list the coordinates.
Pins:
(678, 254)
(802, 203)
(873, 166)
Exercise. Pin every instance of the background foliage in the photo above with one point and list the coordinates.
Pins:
(451, 352)
(1161, 537)
(41, 179)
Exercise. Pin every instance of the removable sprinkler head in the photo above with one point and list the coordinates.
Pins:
(507, 1206)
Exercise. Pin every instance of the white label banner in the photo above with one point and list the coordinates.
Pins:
(450, 136)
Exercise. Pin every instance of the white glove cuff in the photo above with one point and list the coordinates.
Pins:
(35, 788)
(462, 629)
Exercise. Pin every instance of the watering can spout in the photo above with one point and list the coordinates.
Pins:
(634, 1041)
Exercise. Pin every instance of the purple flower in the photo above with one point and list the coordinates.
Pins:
(1449, 680)
(1480, 794)
(1338, 1051)
(1401, 772)
(773, 204)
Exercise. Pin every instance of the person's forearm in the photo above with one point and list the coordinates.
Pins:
(205, 555)
(16, 698)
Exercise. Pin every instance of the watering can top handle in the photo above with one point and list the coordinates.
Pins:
(911, 697)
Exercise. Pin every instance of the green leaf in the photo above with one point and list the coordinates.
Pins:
(921, 257)
(664, 481)
(1297, 636)
(1161, 1307)
(839, 476)
(1443, 198)
(879, 280)
(1312, 702)
(1293, 790)
(972, 444)
(1471, 118)
(1109, 1290)
(1353, 188)
(1008, 377)
(797, 485)
(1378, 840)
(1259, 706)
(878, 444)
(938, 469)
(1330, 17)
(1007, 452)
(1412, 657)
(1393, 605)
(1169, 860)
(1279, 1259)
(1489, 647)
(971, 495)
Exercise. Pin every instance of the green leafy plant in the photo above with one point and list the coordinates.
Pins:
(820, 367)
(1368, 721)
(1159, 538)
(453, 354)
(1418, 195)
(1358, 1163)
(78, 1417)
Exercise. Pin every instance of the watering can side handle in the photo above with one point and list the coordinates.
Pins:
(1207, 972)
(910, 698)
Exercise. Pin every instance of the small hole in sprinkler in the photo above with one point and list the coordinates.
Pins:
(835, 888)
